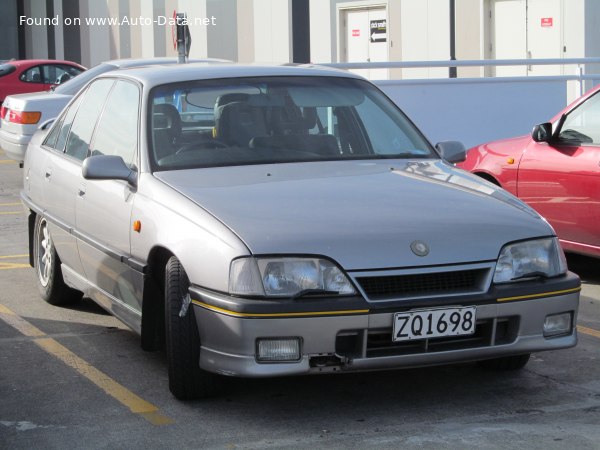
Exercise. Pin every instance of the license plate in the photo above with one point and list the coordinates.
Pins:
(433, 323)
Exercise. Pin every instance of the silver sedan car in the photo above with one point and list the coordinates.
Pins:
(269, 221)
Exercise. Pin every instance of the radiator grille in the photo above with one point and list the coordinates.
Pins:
(422, 285)
(378, 343)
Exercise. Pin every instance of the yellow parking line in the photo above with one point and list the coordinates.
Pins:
(136, 404)
(588, 331)
(10, 266)
(11, 204)
(24, 255)
(5, 213)
(13, 265)
(6, 161)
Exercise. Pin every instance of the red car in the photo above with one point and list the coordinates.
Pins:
(556, 170)
(32, 75)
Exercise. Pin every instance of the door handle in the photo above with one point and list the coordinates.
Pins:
(81, 191)
(48, 174)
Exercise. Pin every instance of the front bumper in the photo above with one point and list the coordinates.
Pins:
(14, 145)
(357, 339)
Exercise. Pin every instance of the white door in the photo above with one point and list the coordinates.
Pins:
(544, 34)
(365, 39)
(523, 29)
(378, 42)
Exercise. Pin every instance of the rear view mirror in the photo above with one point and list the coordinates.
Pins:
(452, 151)
(108, 167)
(542, 132)
(47, 124)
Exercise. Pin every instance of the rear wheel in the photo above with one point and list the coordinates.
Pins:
(47, 267)
(516, 362)
(186, 379)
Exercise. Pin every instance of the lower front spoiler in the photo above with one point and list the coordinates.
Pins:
(229, 342)
(247, 366)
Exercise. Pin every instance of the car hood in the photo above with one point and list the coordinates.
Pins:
(362, 214)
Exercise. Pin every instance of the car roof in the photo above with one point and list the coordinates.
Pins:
(163, 74)
(35, 62)
(137, 62)
(73, 86)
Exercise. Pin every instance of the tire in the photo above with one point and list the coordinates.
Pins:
(48, 272)
(187, 380)
(516, 362)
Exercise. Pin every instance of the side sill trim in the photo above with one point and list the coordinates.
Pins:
(279, 315)
(543, 294)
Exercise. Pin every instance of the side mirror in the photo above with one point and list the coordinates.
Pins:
(452, 151)
(46, 124)
(542, 132)
(108, 167)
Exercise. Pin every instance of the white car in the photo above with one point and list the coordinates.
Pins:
(23, 114)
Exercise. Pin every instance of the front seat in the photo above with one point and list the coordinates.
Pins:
(166, 129)
(237, 122)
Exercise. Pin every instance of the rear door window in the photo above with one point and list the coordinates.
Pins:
(58, 135)
(33, 75)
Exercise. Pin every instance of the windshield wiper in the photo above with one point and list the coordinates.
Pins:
(315, 292)
(536, 274)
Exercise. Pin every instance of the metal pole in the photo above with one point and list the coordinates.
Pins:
(180, 17)
(452, 70)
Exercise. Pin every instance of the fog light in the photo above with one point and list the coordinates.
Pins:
(277, 350)
(557, 324)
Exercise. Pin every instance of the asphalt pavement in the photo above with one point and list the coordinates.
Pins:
(77, 378)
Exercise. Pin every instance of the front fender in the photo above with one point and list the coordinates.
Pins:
(203, 244)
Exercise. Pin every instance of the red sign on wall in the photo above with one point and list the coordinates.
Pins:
(356, 33)
(547, 21)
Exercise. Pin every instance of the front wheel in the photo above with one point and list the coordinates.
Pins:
(186, 379)
(47, 268)
(516, 362)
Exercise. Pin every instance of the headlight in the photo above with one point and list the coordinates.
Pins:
(528, 259)
(287, 277)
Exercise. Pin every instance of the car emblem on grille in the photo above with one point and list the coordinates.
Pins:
(419, 248)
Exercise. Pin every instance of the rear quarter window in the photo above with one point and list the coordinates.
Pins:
(5, 69)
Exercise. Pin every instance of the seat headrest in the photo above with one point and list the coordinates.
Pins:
(167, 116)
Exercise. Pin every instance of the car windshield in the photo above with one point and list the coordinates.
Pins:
(274, 120)
(72, 86)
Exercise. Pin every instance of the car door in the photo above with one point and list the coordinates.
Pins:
(561, 179)
(103, 207)
(61, 174)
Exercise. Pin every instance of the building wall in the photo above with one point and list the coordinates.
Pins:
(470, 35)
(272, 31)
(222, 40)
(425, 28)
(9, 30)
(261, 30)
